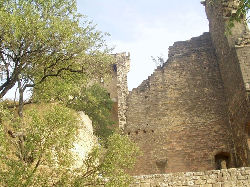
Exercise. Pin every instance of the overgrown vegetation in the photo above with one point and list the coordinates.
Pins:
(36, 151)
(158, 61)
(43, 39)
(46, 46)
(96, 103)
(243, 9)
(240, 15)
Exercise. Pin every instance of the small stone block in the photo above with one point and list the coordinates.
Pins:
(145, 185)
(217, 185)
(198, 173)
(207, 185)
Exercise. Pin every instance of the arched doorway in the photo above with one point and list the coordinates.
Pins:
(222, 160)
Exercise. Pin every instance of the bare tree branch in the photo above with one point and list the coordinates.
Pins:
(6, 86)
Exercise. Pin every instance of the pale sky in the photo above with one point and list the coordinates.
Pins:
(145, 28)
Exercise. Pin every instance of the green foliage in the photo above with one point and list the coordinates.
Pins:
(45, 38)
(120, 156)
(59, 89)
(44, 136)
(93, 100)
(107, 166)
(45, 47)
(242, 10)
(4, 114)
(239, 16)
(158, 61)
(43, 156)
(96, 103)
(37, 151)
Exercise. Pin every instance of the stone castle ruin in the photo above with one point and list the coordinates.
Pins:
(192, 114)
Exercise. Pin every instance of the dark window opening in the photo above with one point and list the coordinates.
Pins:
(161, 165)
(222, 161)
(114, 67)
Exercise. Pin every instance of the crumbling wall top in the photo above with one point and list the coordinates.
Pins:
(229, 6)
(123, 59)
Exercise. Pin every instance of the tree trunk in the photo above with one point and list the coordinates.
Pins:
(21, 103)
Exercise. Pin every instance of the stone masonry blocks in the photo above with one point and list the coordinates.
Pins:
(239, 177)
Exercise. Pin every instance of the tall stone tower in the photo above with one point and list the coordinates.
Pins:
(118, 88)
(233, 54)
(191, 114)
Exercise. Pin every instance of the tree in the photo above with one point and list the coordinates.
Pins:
(93, 100)
(113, 162)
(43, 136)
(44, 38)
(44, 47)
(96, 103)
(39, 153)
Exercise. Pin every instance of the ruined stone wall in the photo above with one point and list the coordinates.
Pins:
(110, 84)
(117, 87)
(123, 66)
(234, 64)
(192, 113)
(216, 178)
(178, 115)
(243, 54)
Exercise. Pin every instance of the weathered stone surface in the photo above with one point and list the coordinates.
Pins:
(86, 140)
(118, 88)
(234, 63)
(192, 113)
(178, 115)
(184, 179)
